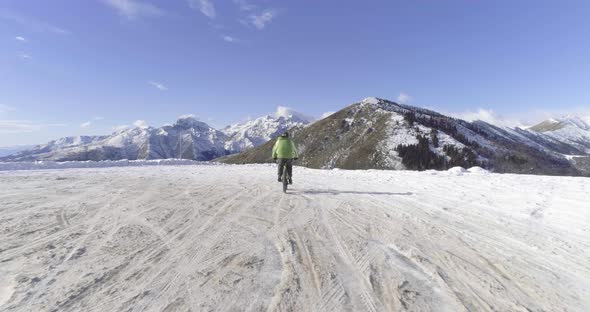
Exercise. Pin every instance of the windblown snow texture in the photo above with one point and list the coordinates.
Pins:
(219, 238)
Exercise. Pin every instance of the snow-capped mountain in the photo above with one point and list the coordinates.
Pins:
(380, 134)
(53, 146)
(374, 133)
(187, 138)
(252, 133)
(572, 130)
(67, 142)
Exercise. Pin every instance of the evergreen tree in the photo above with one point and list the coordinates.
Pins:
(434, 137)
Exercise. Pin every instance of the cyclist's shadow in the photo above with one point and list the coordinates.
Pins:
(338, 192)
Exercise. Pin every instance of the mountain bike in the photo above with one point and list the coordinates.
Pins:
(285, 177)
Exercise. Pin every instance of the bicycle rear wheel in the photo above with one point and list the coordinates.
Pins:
(285, 178)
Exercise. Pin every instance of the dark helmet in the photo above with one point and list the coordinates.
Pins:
(285, 134)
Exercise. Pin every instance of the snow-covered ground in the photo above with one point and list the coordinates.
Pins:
(201, 238)
(43, 165)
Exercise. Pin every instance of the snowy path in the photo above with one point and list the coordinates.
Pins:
(219, 238)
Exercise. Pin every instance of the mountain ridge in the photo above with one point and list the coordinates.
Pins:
(371, 134)
(187, 138)
(381, 134)
(573, 130)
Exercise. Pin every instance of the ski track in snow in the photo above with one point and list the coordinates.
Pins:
(219, 238)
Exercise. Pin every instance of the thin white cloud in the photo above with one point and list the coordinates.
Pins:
(6, 109)
(185, 116)
(287, 112)
(229, 38)
(403, 98)
(158, 85)
(31, 23)
(133, 9)
(120, 128)
(243, 5)
(24, 126)
(90, 122)
(543, 114)
(141, 124)
(205, 6)
(524, 119)
(21, 39)
(489, 116)
(24, 56)
(261, 20)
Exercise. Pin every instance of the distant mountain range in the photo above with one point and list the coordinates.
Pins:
(187, 138)
(380, 134)
(372, 134)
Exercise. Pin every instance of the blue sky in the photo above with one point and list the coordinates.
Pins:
(85, 67)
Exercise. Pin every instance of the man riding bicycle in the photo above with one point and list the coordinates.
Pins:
(285, 151)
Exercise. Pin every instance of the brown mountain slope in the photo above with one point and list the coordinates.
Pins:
(547, 125)
(380, 134)
(348, 139)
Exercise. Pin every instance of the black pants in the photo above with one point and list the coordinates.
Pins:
(289, 163)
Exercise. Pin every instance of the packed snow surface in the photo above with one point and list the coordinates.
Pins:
(38, 165)
(219, 238)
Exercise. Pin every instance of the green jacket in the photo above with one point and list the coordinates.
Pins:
(284, 148)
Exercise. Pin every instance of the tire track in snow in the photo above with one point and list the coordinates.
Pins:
(329, 251)
(92, 224)
(353, 267)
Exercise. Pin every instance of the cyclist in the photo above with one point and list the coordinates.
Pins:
(285, 151)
